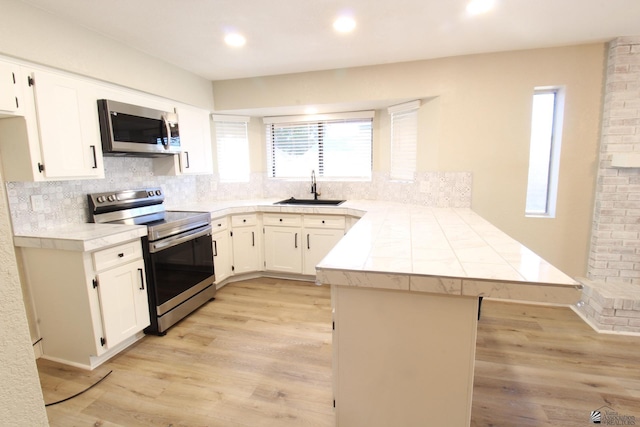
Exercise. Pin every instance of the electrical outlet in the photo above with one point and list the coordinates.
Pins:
(37, 203)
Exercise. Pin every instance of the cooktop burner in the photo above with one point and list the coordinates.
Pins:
(143, 207)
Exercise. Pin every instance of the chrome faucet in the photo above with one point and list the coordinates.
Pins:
(314, 186)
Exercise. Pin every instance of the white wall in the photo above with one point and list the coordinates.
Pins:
(37, 36)
(478, 121)
(21, 402)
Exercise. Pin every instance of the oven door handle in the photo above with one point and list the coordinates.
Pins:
(180, 238)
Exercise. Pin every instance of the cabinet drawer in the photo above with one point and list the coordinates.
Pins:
(324, 221)
(241, 220)
(282, 220)
(219, 224)
(117, 255)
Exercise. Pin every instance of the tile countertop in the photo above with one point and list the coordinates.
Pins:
(80, 237)
(415, 248)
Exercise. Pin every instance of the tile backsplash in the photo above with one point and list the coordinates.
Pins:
(65, 202)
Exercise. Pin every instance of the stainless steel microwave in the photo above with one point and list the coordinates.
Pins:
(137, 131)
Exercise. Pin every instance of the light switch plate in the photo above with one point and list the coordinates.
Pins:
(37, 203)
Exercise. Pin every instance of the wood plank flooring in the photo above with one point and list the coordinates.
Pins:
(260, 355)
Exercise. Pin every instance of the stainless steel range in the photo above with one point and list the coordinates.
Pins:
(177, 251)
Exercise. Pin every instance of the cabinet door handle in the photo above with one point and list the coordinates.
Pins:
(95, 159)
(296, 241)
(215, 248)
(253, 238)
(186, 153)
(308, 244)
(141, 279)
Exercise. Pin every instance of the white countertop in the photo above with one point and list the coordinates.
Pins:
(80, 237)
(392, 246)
(442, 250)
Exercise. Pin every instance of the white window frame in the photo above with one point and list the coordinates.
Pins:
(542, 157)
(404, 141)
(272, 122)
(232, 147)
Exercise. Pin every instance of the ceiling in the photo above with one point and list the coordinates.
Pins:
(289, 36)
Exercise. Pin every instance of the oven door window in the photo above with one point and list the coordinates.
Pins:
(179, 268)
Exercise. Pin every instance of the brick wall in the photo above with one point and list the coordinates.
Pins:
(615, 242)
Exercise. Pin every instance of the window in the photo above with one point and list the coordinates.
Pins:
(335, 146)
(232, 148)
(544, 152)
(404, 140)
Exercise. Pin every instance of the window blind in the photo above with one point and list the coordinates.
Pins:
(232, 148)
(336, 148)
(404, 140)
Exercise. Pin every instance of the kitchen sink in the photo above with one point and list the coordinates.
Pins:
(294, 201)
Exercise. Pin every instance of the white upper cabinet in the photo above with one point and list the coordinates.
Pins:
(68, 127)
(9, 98)
(59, 136)
(195, 143)
(195, 140)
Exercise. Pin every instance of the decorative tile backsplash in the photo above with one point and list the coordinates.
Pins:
(65, 202)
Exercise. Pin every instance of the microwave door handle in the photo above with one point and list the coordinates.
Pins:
(167, 128)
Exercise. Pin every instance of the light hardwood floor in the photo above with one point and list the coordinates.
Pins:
(260, 355)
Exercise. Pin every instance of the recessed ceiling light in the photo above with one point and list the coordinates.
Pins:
(476, 7)
(344, 24)
(235, 39)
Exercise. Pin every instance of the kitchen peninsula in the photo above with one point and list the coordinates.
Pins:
(406, 283)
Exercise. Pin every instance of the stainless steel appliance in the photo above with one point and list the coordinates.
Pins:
(177, 250)
(131, 130)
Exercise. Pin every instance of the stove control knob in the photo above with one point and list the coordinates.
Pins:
(112, 198)
(150, 193)
(158, 192)
(101, 199)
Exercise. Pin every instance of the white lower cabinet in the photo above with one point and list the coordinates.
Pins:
(275, 242)
(318, 243)
(283, 243)
(222, 255)
(89, 305)
(297, 243)
(123, 300)
(247, 243)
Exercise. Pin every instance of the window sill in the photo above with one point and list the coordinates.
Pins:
(532, 215)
